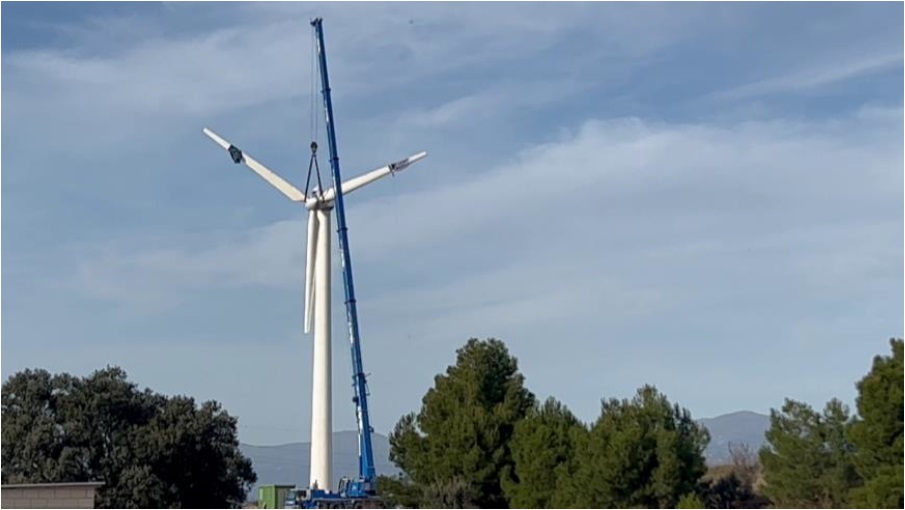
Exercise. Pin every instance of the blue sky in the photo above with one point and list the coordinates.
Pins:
(704, 197)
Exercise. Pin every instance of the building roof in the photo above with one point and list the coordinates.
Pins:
(52, 485)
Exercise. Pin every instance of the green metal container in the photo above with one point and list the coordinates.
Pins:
(273, 496)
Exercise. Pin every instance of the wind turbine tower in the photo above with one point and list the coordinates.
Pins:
(320, 205)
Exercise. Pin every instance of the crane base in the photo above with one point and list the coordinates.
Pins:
(316, 498)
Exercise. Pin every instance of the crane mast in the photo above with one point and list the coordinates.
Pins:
(366, 470)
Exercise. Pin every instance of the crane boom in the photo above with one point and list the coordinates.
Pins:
(366, 470)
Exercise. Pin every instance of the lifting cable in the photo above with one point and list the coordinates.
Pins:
(312, 163)
(314, 83)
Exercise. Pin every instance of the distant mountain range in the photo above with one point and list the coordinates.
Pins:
(743, 427)
(288, 463)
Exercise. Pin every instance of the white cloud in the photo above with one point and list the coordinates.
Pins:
(491, 103)
(149, 279)
(195, 75)
(615, 249)
(152, 79)
(623, 192)
(839, 69)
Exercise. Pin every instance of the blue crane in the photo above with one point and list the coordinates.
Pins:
(367, 477)
(360, 492)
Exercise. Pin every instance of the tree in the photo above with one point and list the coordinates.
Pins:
(398, 492)
(877, 433)
(734, 485)
(642, 452)
(543, 448)
(744, 464)
(451, 493)
(149, 450)
(807, 460)
(690, 500)
(466, 420)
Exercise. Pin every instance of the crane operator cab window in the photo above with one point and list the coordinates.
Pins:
(294, 498)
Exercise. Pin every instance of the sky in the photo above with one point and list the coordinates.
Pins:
(703, 197)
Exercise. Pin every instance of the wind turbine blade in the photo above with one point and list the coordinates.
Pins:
(240, 157)
(313, 228)
(363, 180)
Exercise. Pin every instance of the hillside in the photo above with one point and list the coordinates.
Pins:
(743, 427)
(288, 463)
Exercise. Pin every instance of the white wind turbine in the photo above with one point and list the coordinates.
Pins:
(317, 293)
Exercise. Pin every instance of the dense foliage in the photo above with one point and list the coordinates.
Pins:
(643, 452)
(150, 451)
(832, 459)
(543, 447)
(461, 437)
(808, 460)
(877, 434)
(481, 440)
